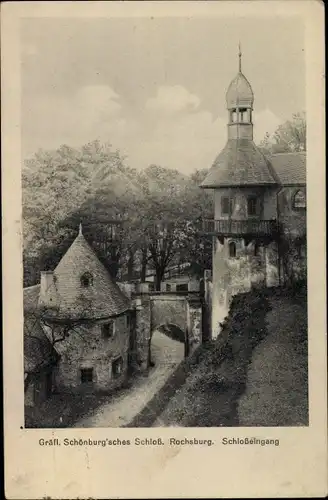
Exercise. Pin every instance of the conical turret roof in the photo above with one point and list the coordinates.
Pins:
(240, 163)
(82, 287)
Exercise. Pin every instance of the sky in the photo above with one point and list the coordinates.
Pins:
(154, 87)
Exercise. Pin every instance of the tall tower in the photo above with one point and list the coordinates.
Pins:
(240, 99)
(244, 222)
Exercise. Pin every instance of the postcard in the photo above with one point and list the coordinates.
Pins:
(164, 249)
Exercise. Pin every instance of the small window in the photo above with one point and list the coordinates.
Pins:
(86, 280)
(232, 249)
(233, 115)
(226, 205)
(299, 199)
(183, 287)
(117, 367)
(256, 250)
(168, 287)
(243, 114)
(251, 205)
(127, 320)
(108, 330)
(86, 375)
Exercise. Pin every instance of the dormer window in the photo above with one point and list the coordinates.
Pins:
(86, 280)
(299, 200)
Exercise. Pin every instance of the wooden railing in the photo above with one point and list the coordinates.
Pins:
(240, 227)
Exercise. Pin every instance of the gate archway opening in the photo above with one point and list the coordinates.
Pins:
(168, 345)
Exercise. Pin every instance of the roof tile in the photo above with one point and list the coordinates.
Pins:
(240, 163)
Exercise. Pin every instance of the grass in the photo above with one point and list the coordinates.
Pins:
(67, 407)
(211, 393)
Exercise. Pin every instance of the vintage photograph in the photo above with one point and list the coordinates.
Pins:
(164, 222)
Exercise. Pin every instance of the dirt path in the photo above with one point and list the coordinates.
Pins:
(166, 354)
(276, 387)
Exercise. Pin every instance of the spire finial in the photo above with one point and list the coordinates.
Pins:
(239, 57)
(80, 229)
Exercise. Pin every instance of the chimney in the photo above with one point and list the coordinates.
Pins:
(47, 279)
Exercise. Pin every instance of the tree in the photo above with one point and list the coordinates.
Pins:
(289, 137)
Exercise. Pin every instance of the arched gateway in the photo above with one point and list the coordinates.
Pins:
(174, 313)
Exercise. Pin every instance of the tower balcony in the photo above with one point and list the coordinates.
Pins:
(242, 228)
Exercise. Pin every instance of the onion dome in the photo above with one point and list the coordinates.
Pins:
(240, 93)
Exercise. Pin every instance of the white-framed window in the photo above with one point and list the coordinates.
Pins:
(299, 199)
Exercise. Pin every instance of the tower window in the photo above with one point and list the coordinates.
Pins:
(243, 114)
(251, 205)
(232, 249)
(86, 375)
(226, 205)
(108, 330)
(117, 367)
(299, 200)
(86, 280)
(233, 116)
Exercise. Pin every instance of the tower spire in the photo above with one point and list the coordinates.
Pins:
(239, 55)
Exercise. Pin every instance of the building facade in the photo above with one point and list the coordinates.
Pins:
(84, 317)
(259, 224)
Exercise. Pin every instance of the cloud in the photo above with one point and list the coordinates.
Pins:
(265, 121)
(74, 120)
(171, 130)
(172, 99)
(96, 101)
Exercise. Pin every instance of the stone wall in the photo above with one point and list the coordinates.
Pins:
(86, 347)
(194, 324)
(168, 309)
(249, 269)
(142, 331)
(153, 311)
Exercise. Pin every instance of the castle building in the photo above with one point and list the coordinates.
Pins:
(78, 321)
(259, 224)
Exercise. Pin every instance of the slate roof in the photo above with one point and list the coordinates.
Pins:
(290, 167)
(240, 163)
(103, 298)
(239, 92)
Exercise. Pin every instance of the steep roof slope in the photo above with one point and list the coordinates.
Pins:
(102, 298)
(240, 163)
(290, 167)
